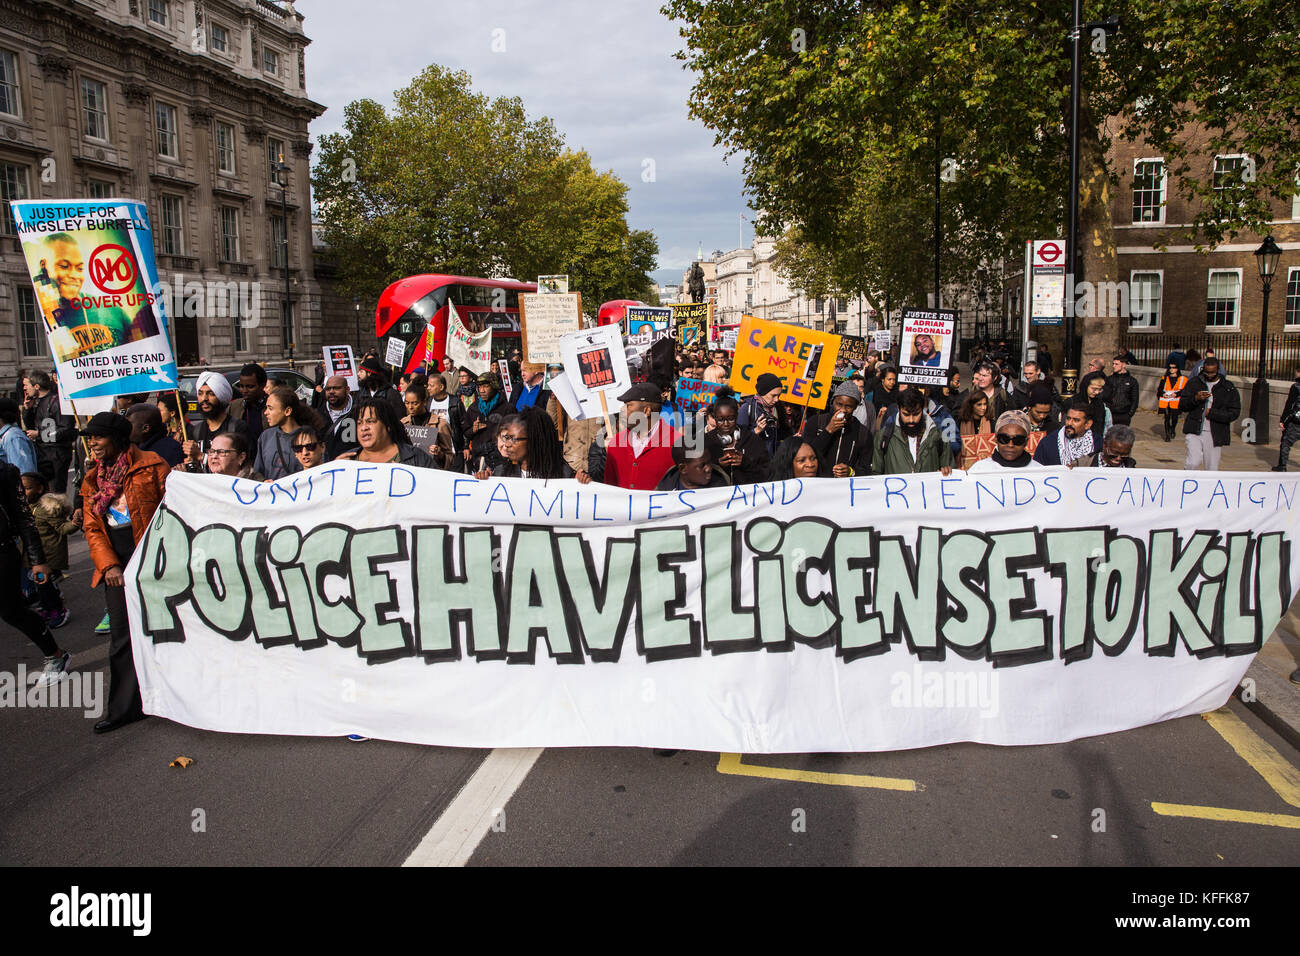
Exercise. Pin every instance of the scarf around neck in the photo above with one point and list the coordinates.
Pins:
(485, 407)
(109, 484)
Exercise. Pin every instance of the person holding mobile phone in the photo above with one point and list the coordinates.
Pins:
(842, 442)
(764, 414)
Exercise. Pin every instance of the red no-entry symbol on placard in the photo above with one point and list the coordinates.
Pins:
(112, 269)
(1049, 252)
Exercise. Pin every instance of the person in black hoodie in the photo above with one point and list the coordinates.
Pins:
(842, 443)
(1121, 392)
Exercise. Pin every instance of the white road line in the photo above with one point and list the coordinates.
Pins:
(455, 835)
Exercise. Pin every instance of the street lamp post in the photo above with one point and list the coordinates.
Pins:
(1073, 272)
(282, 180)
(1266, 257)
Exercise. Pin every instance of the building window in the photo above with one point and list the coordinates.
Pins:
(173, 233)
(1148, 190)
(1223, 298)
(30, 332)
(1144, 300)
(241, 322)
(94, 109)
(10, 104)
(220, 38)
(1295, 200)
(229, 234)
(1293, 297)
(100, 189)
(274, 155)
(13, 185)
(226, 148)
(286, 325)
(270, 61)
(277, 242)
(1227, 170)
(164, 118)
(158, 12)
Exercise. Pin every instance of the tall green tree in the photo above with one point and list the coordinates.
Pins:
(453, 182)
(841, 108)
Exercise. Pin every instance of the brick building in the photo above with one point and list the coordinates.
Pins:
(186, 105)
(1198, 298)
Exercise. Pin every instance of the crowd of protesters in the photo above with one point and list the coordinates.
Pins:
(487, 426)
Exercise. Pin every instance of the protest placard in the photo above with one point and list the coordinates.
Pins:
(695, 393)
(647, 325)
(543, 319)
(466, 349)
(552, 285)
(926, 346)
(1060, 604)
(104, 310)
(802, 358)
(507, 381)
(691, 321)
(852, 355)
(395, 355)
(340, 361)
(882, 341)
(596, 366)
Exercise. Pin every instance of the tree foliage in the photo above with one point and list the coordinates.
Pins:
(842, 107)
(453, 182)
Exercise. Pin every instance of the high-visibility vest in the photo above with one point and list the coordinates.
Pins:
(1169, 396)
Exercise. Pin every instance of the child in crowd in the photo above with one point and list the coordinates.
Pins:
(54, 523)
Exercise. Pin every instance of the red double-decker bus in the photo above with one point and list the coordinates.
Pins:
(410, 306)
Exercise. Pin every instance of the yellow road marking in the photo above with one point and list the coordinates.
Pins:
(731, 764)
(1268, 763)
(1229, 816)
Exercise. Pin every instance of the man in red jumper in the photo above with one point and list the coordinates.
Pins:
(641, 452)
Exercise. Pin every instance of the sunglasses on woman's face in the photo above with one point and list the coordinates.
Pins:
(1020, 441)
(312, 446)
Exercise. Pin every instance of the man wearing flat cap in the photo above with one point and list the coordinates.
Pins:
(214, 394)
(478, 435)
(641, 452)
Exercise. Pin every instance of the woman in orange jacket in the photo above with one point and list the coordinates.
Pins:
(121, 492)
(1167, 391)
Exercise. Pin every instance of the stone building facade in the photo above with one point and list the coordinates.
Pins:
(185, 105)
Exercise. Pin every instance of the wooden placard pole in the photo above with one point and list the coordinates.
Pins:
(180, 412)
(604, 410)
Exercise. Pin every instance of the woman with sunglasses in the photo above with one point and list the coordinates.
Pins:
(1011, 436)
(308, 448)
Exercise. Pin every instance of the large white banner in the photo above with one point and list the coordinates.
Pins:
(856, 614)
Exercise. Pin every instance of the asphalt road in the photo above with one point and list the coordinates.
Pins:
(70, 797)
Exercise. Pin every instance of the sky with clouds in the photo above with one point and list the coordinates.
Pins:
(603, 72)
